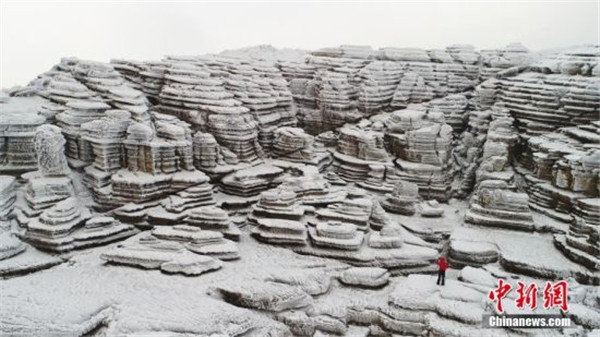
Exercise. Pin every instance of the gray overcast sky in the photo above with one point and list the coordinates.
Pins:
(35, 35)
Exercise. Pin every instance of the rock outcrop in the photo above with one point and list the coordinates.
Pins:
(555, 93)
(390, 236)
(471, 253)
(312, 188)
(293, 144)
(494, 204)
(455, 108)
(77, 113)
(339, 85)
(403, 200)
(193, 94)
(67, 226)
(336, 235)
(149, 252)
(412, 89)
(421, 140)
(358, 153)
(105, 136)
(365, 277)
(8, 186)
(280, 231)
(17, 132)
(355, 209)
(180, 249)
(51, 183)
(497, 60)
(214, 219)
(582, 243)
(10, 245)
(559, 169)
(158, 161)
(213, 159)
(269, 296)
(278, 203)
(252, 181)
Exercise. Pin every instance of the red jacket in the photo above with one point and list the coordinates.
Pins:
(442, 264)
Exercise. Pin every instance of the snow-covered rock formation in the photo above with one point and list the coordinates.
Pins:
(311, 193)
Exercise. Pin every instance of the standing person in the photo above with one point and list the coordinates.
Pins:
(442, 266)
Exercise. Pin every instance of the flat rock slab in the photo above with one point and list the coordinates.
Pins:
(516, 254)
(365, 277)
(269, 296)
(29, 261)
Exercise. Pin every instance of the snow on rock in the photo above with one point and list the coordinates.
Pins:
(10, 245)
(298, 322)
(390, 236)
(430, 209)
(51, 183)
(337, 235)
(312, 188)
(472, 253)
(55, 227)
(268, 296)
(358, 152)
(329, 318)
(514, 256)
(454, 107)
(403, 199)
(190, 265)
(197, 94)
(266, 52)
(365, 277)
(18, 258)
(164, 253)
(567, 89)
(18, 122)
(65, 319)
(476, 276)
(70, 121)
(293, 144)
(355, 209)
(212, 158)
(411, 89)
(105, 137)
(313, 282)
(215, 219)
(581, 244)
(7, 196)
(338, 85)
(418, 292)
(280, 231)
(155, 303)
(252, 181)
(325, 159)
(495, 205)
(421, 140)
(279, 203)
(585, 316)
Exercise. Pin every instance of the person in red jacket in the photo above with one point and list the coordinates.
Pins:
(442, 266)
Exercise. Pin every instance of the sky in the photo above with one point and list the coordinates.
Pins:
(35, 35)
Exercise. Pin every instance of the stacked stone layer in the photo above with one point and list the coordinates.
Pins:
(67, 226)
(497, 206)
(252, 181)
(422, 142)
